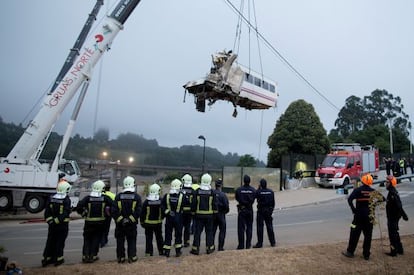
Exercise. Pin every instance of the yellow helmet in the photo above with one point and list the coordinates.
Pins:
(187, 180)
(154, 192)
(129, 184)
(64, 188)
(205, 182)
(175, 186)
(97, 188)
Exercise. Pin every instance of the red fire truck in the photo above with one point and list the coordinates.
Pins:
(345, 162)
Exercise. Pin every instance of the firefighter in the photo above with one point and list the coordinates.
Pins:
(220, 217)
(187, 191)
(107, 192)
(151, 220)
(94, 208)
(172, 207)
(361, 221)
(394, 211)
(56, 214)
(245, 196)
(265, 205)
(203, 207)
(126, 211)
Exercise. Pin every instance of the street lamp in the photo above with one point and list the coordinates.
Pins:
(204, 152)
(391, 143)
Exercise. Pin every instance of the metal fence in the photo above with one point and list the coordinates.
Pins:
(233, 177)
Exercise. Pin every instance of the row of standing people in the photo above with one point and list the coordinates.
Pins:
(364, 213)
(398, 167)
(187, 208)
(206, 207)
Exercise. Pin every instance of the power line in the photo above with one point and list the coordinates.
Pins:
(279, 55)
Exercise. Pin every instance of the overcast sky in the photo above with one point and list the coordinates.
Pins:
(343, 47)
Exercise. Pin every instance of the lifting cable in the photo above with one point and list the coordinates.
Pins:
(250, 6)
(278, 54)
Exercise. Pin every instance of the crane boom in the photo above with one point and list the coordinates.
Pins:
(56, 101)
(24, 181)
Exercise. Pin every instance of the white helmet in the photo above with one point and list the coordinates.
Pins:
(129, 184)
(175, 186)
(187, 180)
(205, 182)
(154, 192)
(63, 188)
(97, 188)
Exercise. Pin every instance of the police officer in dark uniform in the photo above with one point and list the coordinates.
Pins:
(220, 216)
(95, 209)
(394, 211)
(204, 207)
(265, 206)
(126, 211)
(361, 221)
(172, 207)
(57, 211)
(245, 196)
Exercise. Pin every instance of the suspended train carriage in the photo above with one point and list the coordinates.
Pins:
(232, 82)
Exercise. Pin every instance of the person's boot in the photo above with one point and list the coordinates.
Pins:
(178, 252)
(211, 249)
(166, 253)
(195, 251)
(348, 254)
(400, 249)
(392, 253)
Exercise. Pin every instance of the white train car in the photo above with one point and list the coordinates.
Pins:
(234, 83)
(259, 90)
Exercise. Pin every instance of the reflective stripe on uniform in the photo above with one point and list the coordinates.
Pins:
(210, 207)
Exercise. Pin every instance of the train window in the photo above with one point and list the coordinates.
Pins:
(248, 78)
(257, 81)
(272, 88)
(265, 85)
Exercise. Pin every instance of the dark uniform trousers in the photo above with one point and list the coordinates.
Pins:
(126, 232)
(264, 216)
(55, 244)
(220, 223)
(173, 223)
(150, 231)
(245, 224)
(207, 224)
(187, 217)
(361, 224)
(92, 236)
(394, 236)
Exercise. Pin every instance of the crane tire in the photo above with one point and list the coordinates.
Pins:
(34, 203)
(6, 201)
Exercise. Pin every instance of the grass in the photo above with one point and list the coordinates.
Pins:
(310, 259)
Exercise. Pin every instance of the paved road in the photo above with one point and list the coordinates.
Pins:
(312, 223)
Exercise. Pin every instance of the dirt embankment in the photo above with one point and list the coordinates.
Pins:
(313, 259)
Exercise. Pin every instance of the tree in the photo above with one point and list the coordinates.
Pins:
(247, 161)
(101, 136)
(298, 130)
(350, 117)
(369, 120)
